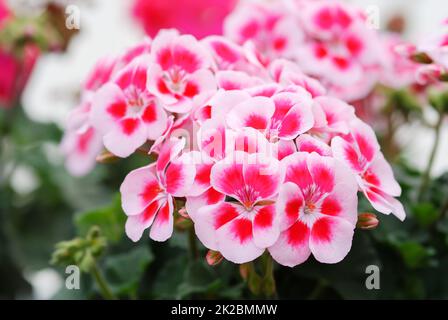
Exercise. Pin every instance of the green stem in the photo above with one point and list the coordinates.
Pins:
(317, 291)
(268, 281)
(193, 244)
(106, 292)
(427, 173)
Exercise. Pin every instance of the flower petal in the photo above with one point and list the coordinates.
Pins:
(135, 225)
(331, 239)
(289, 204)
(235, 241)
(292, 247)
(208, 197)
(255, 113)
(180, 175)
(265, 226)
(138, 190)
(210, 218)
(127, 137)
(162, 227)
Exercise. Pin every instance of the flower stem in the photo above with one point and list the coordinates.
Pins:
(106, 292)
(427, 173)
(193, 244)
(317, 291)
(268, 281)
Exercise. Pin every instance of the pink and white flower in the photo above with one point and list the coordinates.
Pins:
(179, 71)
(272, 31)
(317, 205)
(360, 151)
(284, 116)
(126, 113)
(81, 143)
(148, 193)
(241, 229)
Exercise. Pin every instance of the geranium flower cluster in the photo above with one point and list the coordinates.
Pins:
(330, 40)
(257, 154)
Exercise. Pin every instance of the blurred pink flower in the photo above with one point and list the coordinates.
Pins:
(15, 73)
(4, 11)
(196, 17)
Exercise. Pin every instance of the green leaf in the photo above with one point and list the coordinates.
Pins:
(124, 271)
(414, 254)
(110, 219)
(425, 214)
(198, 278)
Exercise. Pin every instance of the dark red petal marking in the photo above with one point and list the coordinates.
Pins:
(352, 157)
(342, 18)
(279, 44)
(324, 18)
(265, 217)
(150, 211)
(297, 234)
(129, 125)
(371, 178)
(331, 207)
(365, 147)
(320, 51)
(174, 177)
(83, 141)
(162, 87)
(242, 228)
(213, 196)
(310, 147)
(323, 177)
(224, 214)
(290, 125)
(292, 208)
(149, 114)
(321, 230)
(249, 30)
(165, 59)
(191, 89)
(117, 109)
(203, 174)
(186, 60)
(164, 213)
(152, 189)
(139, 78)
(341, 62)
(125, 79)
(206, 112)
(256, 121)
(225, 52)
(299, 174)
(354, 45)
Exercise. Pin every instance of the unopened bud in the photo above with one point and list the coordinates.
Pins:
(367, 221)
(213, 258)
(183, 212)
(421, 57)
(429, 74)
(106, 157)
(244, 270)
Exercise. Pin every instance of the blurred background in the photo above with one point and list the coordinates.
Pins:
(42, 204)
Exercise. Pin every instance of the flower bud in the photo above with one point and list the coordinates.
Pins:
(106, 157)
(213, 258)
(367, 221)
